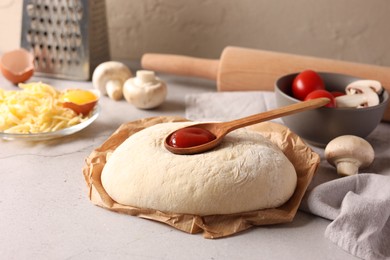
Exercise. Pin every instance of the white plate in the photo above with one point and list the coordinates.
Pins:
(55, 134)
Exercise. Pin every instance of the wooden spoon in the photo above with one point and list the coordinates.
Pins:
(223, 128)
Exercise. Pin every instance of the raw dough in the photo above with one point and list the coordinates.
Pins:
(246, 172)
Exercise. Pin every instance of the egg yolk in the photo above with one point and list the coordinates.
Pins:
(79, 96)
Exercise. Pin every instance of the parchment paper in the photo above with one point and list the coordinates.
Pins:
(216, 226)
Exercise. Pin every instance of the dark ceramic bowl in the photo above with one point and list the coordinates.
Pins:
(321, 125)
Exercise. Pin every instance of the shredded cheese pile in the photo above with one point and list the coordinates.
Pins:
(36, 108)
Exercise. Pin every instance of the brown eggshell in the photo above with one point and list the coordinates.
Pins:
(81, 109)
(17, 65)
(85, 108)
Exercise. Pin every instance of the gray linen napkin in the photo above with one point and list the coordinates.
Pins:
(359, 206)
(224, 106)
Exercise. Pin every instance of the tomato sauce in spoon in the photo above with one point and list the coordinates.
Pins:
(190, 137)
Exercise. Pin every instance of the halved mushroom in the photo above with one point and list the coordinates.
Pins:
(360, 93)
(353, 87)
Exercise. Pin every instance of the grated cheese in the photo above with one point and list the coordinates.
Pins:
(35, 108)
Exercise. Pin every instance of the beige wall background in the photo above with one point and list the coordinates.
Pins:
(353, 30)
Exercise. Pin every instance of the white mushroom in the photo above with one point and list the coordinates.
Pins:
(373, 84)
(356, 101)
(109, 78)
(145, 91)
(348, 153)
(360, 93)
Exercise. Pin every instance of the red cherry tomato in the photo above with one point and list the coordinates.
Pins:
(306, 82)
(319, 93)
(337, 93)
(189, 137)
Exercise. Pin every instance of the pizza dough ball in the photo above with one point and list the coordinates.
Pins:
(245, 172)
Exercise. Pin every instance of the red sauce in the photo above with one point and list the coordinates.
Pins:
(189, 137)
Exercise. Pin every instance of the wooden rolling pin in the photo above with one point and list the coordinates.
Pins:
(241, 69)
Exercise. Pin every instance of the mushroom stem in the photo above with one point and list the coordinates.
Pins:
(145, 76)
(351, 100)
(109, 77)
(347, 167)
(114, 89)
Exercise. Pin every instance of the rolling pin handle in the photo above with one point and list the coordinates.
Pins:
(181, 65)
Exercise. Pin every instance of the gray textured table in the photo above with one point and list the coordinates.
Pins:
(45, 212)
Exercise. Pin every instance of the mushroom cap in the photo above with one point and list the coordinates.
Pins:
(110, 71)
(348, 147)
(373, 84)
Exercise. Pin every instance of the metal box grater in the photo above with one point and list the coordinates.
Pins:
(68, 38)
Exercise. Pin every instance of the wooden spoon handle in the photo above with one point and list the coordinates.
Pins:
(275, 113)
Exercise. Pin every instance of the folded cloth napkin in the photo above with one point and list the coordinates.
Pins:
(359, 206)
(225, 106)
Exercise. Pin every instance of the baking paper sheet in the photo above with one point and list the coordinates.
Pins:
(302, 157)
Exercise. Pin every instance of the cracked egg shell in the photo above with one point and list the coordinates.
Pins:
(79, 100)
(17, 65)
